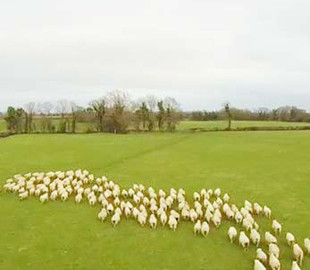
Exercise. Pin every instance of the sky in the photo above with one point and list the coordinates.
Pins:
(201, 52)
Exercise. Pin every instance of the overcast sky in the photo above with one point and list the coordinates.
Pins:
(253, 53)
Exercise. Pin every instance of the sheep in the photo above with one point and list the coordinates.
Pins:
(92, 200)
(193, 215)
(307, 245)
(127, 212)
(197, 227)
(274, 263)
(153, 221)
(205, 228)
(115, 219)
(290, 238)
(257, 209)
(267, 211)
(185, 214)
(247, 224)
(124, 193)
(269, 238)
(255, 237)
(196, 196)
(172, 223)
(244, 240)
(110, 208)
(78, 198)
(258, 265)
(216, 220)
(142, 218)
(274, 249)
(44, 198)
(23, 195)
(276, 226)
(163, 218)
(54, 195)
(298, 253)
(217, 192)
(208, 215)
(295, 266)
(261, 255)
(232, 233)
(238, 217)
(162, 193)
(135, 212)
(226, 198)
(248, 206)
(176, 215)
(102, 214)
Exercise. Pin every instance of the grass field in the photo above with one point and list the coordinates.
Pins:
(268, 167)
(82, 127)
(209, 125)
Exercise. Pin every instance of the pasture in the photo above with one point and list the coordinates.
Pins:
(268, 167)
(221, 124)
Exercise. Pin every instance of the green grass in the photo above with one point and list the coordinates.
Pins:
(209, 125)
(269, 167)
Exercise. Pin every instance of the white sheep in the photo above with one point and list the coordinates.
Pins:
(142, 218)
(102, 215)
(197, 227)
(274, 249)
(290, 238)
(54, 195)
(298, 253)
(115, 219)
(255, 237)
(244, 240)
(232, 233)
(307, 245)
(153, 221)
(216, 220)
(193, 215)
(163, 218)
(258, 265)
(276, 226)
(196, 196)
(269, 238)
(78, 198)
(257, 209)
(267, 211)
(23, 195)
(217, 192)
(226, 198)
(295, 266)
(205, 228)
(261, 255)
(172, 223)
(238, 217)
(274, 263)
(44, 198)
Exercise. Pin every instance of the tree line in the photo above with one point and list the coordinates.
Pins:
(114, 112)
(284, 113)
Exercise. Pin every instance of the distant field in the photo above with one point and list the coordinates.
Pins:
(209, 125)
(268, 167)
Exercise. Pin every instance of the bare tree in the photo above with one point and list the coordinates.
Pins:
(29, 111)
(118, 111)
(46, 107)
(99, 106)
(228, 114)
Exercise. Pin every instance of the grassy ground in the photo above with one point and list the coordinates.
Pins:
(269, 167)
(187, 125)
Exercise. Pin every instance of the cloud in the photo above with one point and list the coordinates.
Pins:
(252, 53)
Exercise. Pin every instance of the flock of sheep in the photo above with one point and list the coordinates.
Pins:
(146, 206)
